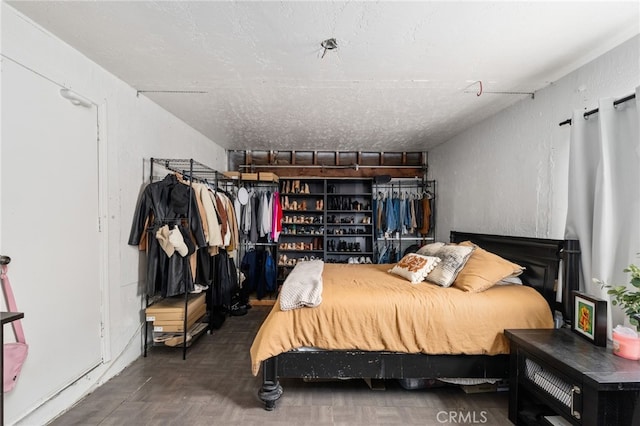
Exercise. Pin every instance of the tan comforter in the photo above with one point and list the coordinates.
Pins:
(366, 308)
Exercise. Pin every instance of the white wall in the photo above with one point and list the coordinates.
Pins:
(132, 129)
(508, 174)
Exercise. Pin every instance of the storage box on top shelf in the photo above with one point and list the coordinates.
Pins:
(268, 177)
(249, 176)
(232, 175)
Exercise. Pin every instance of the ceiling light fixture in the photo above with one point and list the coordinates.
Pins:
(328, 44)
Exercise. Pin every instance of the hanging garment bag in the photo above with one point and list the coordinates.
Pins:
(14, 354)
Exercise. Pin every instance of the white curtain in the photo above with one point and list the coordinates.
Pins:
(604, 194)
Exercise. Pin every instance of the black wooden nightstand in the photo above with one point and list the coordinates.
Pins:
(556, 372)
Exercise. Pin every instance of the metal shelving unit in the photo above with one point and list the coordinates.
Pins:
(190, 170)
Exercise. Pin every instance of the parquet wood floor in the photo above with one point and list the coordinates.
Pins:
(214, 386)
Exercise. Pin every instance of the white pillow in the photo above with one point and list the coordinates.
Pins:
(414, 267)
(452, 260)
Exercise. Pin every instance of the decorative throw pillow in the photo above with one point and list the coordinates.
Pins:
(483, 270)
(430, 249)
(414, 267)
(452, 260)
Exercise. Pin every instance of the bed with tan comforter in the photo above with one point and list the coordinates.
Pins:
(366, 308)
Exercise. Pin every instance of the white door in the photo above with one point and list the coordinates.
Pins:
(48, 226)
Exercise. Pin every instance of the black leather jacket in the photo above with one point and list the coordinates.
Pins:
(169, 276)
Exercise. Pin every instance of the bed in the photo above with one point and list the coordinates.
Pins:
(293, 351)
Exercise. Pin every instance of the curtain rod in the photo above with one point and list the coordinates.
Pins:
(593, 111)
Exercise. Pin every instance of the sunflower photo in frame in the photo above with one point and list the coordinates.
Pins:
(590, 318)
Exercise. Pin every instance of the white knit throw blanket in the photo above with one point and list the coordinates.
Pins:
(303, 286)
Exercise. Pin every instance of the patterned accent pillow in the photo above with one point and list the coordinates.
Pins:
(430, 249)
(452, 260)
(483, 270)
(414, 267)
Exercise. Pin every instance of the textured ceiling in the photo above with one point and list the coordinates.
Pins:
(401, 79)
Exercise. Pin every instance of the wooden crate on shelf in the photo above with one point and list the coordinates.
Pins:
(268, 177)
(168, 314)
(231, 174)
(178, 325)
(249, 176)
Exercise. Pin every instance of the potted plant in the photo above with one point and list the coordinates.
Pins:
(625, 344)
(627, 299)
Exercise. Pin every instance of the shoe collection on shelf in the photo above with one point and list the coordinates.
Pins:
(327, 219)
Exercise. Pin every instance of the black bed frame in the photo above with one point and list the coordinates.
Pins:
(539, 256)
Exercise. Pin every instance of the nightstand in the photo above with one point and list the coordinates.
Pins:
(554, 372)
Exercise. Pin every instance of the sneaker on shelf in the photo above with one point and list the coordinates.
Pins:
(199, 288)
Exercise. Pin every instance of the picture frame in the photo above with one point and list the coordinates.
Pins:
(590, 318)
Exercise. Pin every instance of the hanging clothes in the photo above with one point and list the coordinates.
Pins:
(419, 213)
(260, 271)
(232, 224)
(166, 202)
(276, 222)
(222, 214)
(383, 257)
(227, 283)
(265, 214)
(253, 233)
(249, 266)
(391, 216)
(247, 214)
(213, 231)
(237, 206)
(380, 215)
(426, 215)
(414, 224)
(374, 214)
(402, 212)
(267, 282)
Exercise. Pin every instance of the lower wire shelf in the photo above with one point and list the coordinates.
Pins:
(176, 321)
(177, 339)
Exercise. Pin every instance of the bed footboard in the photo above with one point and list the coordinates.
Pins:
(373, 365)
(271, 390)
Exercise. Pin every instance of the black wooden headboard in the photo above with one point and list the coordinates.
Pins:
(541, 259)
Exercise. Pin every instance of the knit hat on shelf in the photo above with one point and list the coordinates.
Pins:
(162, 235)
(177, 241)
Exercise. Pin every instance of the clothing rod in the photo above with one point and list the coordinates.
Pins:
(593, 111)
(402, 185)
(404, 238)
(319, 166)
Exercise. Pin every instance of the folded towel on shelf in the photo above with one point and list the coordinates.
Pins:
(303, 286)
